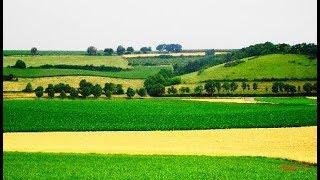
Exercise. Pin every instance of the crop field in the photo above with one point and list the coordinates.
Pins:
(263, 87)
(268, 66)
(138, 72)
(91, 166)
(160, 60)
(115, 61)
(171, 54)
(73, 81)
(151, 114)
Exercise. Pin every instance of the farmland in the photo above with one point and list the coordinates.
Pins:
(267, 66)
(163, 60)
(161, 114)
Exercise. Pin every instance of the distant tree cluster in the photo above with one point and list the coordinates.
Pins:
(169, 47)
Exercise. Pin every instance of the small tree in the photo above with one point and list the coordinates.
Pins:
(96, 90)
(255, 86)
(28, 88)
(142, 92)
(198, 90)
(74, 93)
(121, 50)
(39, 91)
(210, 52)
(50, 90)
(63, 94)
(85, 91)
(92, 50)
(130, 92)
(119, 89)
(172, 90)
(108, 94)
(34, 51)
(226, 86)
(20, 64)
(210, 87)
(130, 50)
(109, 87)
(108, 51)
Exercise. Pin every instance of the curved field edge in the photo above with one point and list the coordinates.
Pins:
(267, 66)
(93, 166)
(138, 72)
(149, 114)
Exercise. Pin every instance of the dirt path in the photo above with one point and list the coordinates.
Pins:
(226, 100)
(290, 143)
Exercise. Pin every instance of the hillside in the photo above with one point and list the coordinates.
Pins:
(267, 66)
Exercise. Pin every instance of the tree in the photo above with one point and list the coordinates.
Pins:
(244, 85)
(109, 87)
(85, 88)
(50, 90)
(92, 50)
(108, 51)
(34, 51)
(142, 92)
(226, 86)
(39, 91)
(20, 64)
(108, 94)
(248, 86)
(96, 90)
(210, 52)
(74, 93)
(130, 50)
(308, 87)
(184, 90)
(28, 88)
(161, 47)
(198, 90)
(63, 94)
(121, 50)
(255, 86)
(130, 92)
(144, 50)
(210, 87)
(233, 86)
(218, 86)
(228, 57)
(119, 89)
(172, 90)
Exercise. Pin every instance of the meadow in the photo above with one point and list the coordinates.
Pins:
(138, 72)
(160, 60)
(151, 114)
(92, 166)
(267, 66)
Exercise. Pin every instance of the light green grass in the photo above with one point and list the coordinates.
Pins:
(92, 166)
(138, 72)
(268, 66)
(150, 114)
(35, 61)
(288, 100)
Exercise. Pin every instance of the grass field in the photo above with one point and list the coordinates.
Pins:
(160, 61)
(115, 61)
(73, 81)
(151, 114)
(268, 66)
(138, 72)
(91, 166)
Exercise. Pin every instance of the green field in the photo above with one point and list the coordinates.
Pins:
(91, 166)
(268, 66)
(138, 72)
(35, 61)
(151, 114)
(160, 61)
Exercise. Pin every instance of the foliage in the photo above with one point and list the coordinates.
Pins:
(92, 50)
(210, 52)
(172, 90)
(33, 51)
(121, 50)
(63, 95)
(50, 90)
(74, 93)
(96, 90)
(39, 91)
(210, 87)
(9, 77)
(233, 86)
(20, 64)
(184, 90)
(119, 89)
(255, 86)
(161, 60)
(144, 50)
(110, 87)
(85, 67)
(307, 87)
(130, 92)
(155, 85)
(198, 90)
(108, 51)
(85, 88)
(28, 88)
(108, 94)
(169, 47)
(130, 50)
(142, 92)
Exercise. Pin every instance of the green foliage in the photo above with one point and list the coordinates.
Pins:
(198, 90)
(92, 50)
(63, 95)
(33, 51)
(130, 92)
(155, 85)
(210, 52)
(74, 93)
(142, 92)
(152, 114)
(184, 90)
(39, 91)
(111, 87)
(119, 89)
(226, 86)
(144, 50)
(50, 90)
(28, 88)
(121, 50)
(130, 50)
(85, 88)
(20, 64)
(255, 86)
(172, 90)
(58, 88)
(233, 86)
(108, 51)
(307, 87)
(160, 60)
(108, 94)
(96, 90)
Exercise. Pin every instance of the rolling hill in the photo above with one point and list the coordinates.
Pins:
(267, 66)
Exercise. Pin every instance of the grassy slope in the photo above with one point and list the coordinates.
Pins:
(150, 114)
(269, 66)
(138, 72)
(161, 61)
(91, 166)
(116, 61)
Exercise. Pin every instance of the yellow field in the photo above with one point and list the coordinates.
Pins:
(116, 61)
(73, 81)
(299, 143)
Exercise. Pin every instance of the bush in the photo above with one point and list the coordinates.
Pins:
(74, 92)
(119, 89)
(85, 88)
(20, 64)
(63, 95)
(210, 87)
(172, 90)
(142, 92)
(28, 88)
(34, 51)
(39, 91)
(308, 87)
(233, 86)
(130, 92)
(50, 90)
(184, 90)
(96, 90)
(108, 94)
(109, 87)
(198, 90)
(10, 77)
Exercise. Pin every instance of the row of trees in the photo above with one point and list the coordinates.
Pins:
(119, 51)
(169, 47)
(281, 87)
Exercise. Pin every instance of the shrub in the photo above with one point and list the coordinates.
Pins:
(34, 51)
(20, 64)
(10, 77)
(39, 91)
(63, 95)
(226, 86)
(172, 90)
(210, 87)
(184, 90)
(85, 88)
(96, 90)
(119, 89)
(233, 86)
(50, 90)
(74, 92)
(108, 94)
(307, 87)
(130, 92)
(109, 87)
(28, 88)
(198, 90)
(142, 92)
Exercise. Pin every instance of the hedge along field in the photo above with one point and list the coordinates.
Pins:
(138, 72)
(164, 60)
(73, 81)
(94, 166)
(115, 61)
(267, 66)
(149, 114)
